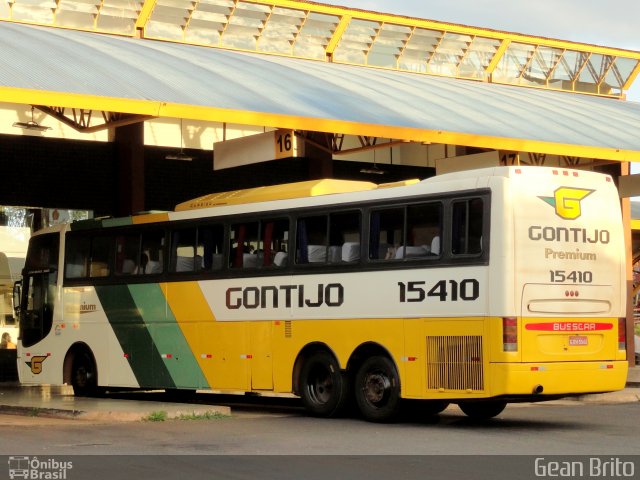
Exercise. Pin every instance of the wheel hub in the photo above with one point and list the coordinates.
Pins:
(376, 386)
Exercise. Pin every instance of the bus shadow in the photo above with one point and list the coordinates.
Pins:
(452, 417)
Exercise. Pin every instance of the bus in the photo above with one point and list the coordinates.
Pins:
(477, 288)
(13, 250)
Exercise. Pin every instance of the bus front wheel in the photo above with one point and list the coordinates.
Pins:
(84, 375)
(324, 387)
(377, 389)
(482, 410)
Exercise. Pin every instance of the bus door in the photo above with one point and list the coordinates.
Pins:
(39, 289)
(262, 360)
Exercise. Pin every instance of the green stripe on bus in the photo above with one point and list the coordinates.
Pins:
(86, 224)
(117, 222)
(134, 337)
(167, 336)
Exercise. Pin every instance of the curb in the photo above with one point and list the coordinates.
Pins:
(130, 416)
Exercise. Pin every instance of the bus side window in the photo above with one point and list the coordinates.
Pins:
(100, 256)
(209, 248)
(77, 256)
(275, 237)
(344, 237)
(424, 230)
(183, 250)
(127, 254)
(152, 254)
(467, 224)
(245, 246)
(311, 245)
(386, 233)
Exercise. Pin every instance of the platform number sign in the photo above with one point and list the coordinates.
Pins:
(285, 144)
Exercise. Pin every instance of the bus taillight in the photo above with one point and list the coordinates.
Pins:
(622, 333)
(509, 334)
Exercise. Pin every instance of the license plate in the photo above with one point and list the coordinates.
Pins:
(579, 340)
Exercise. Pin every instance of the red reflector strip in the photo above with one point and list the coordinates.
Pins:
(509, 334)
(246, 357)
(622, 333)
(206, 355)
(167, 355)
(569, 326)
(126, 355)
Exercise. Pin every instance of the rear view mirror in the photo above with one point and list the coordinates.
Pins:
(17, 294)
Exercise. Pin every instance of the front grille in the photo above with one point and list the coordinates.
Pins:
(455, 363)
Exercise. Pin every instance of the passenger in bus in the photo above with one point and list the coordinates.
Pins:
(154, 265)
(6, 342)
(142, 266)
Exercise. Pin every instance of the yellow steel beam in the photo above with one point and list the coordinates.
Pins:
(75, 100)
(337, 35)
(449, 27)
(632, 77)
(212, 114)
(145, 13)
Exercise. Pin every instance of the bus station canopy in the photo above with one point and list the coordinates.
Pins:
(63, 68)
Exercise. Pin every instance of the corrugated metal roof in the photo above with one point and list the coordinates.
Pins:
(53, 66)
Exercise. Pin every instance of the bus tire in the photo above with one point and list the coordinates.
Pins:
(84, 375)
(377, 389)
(324, 387)
(482, 410)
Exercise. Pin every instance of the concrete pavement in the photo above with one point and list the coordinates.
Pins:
(59, 402)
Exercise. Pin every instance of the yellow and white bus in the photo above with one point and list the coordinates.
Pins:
(13, 250)
(478, 288)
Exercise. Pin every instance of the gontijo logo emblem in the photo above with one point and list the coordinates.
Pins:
(566, 201)
(36, 364)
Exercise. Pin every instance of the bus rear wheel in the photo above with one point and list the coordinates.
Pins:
(84, 375)
(377, 389)
(482, 410)
(324, 387)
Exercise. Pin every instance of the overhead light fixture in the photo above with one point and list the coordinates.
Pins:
(31, 124)
(180, 155)
(373, 170)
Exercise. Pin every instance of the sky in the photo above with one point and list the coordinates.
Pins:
(611, 23)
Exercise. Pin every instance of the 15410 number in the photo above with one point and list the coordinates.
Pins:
(467, 289)
(562, 276)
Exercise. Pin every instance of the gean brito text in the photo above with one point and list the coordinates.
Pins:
(329, 295)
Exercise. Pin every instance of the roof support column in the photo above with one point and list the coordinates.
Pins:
(318, 151)
(130, 182)
(625, 169)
